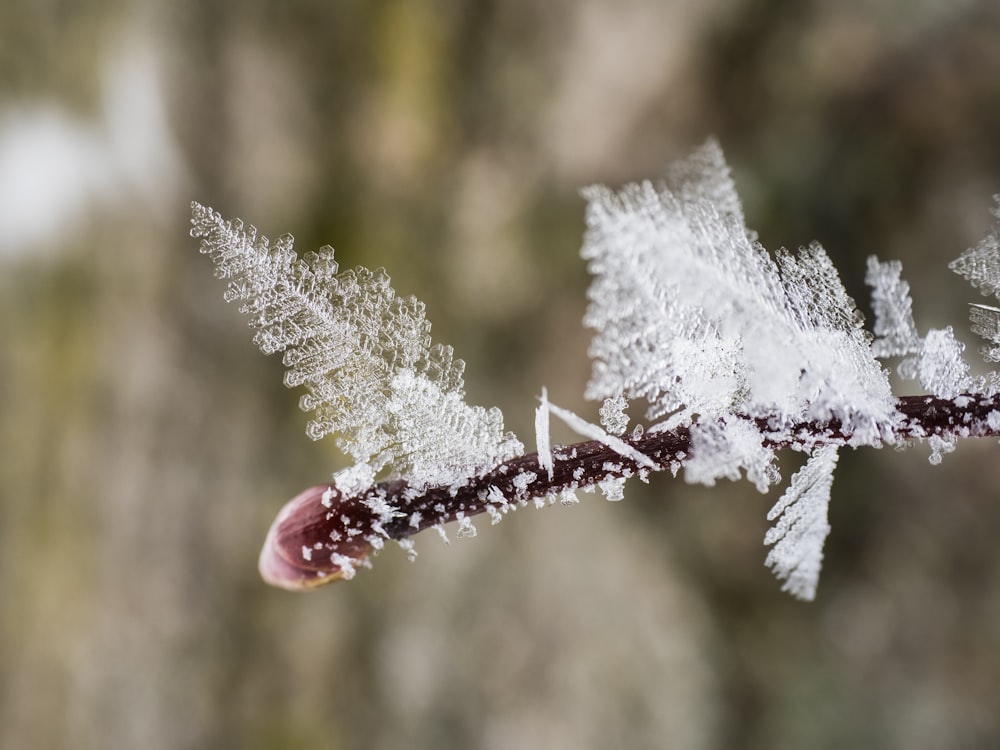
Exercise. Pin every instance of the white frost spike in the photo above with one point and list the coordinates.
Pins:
(394, 400)
(895, 331)
(442, 533)
(802, 525)
(542, 442)
(691, 313)
(592, 431)
(980, 265)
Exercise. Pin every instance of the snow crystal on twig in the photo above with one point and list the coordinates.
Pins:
(592, 431)
(542, 442)
(802, 525)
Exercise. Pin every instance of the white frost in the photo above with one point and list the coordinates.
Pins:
(896, 333)
(466, 529)
(394, 400)
(613, 416)
(592, 431)
(986, 323)
(980, 265)
(352, 481)
(941, 367)
(939, 447)
(722, 449)
(802, 525)
(993, 420)
(691, 313)
(542, 441)
(613, 488)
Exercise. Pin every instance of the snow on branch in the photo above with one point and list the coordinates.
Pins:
(692, 315)
(737, 353)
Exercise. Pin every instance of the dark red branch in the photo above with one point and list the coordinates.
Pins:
(315, 541)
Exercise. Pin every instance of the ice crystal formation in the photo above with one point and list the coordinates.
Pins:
(734, 354)
(372, 376)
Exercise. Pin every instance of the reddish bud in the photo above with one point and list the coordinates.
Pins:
(319, 537)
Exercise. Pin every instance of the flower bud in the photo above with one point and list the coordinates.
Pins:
(319, 537)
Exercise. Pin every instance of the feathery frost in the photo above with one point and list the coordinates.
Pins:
(895, 332)
(980, 265)
(695, 317)
(802, 525)
(373, 378)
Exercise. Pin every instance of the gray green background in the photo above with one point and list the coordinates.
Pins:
(145, 445)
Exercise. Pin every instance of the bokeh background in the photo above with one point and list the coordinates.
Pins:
(145, 445)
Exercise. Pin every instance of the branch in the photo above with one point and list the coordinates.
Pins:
(321, 535)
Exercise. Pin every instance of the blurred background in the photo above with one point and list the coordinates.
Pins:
(145, 445)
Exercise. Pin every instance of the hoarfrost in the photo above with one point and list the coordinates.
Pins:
(408, 547)
(327, 497)
(936, 359)
(348, 565)
(592, 431)
(940, 445)
(941, 368)
(568, 497)
(542, 442)
(521, 482)
(353, 480)
(802, 525)
(613, 488)
(722, 449)
(986, 323)
(896, 333)
(613, 416)
(372, 376)
(466, 529)
(496, 496)
(690, 312)
(980, 265)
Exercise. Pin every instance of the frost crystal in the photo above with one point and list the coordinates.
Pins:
(466, 529)
(895, 331)
(941, 368)
(802, 525)
(542, 434)
(372, 377)
(613, 488)
(613, 416)
(694, 316)
(938, 363)
(986, 323)
(719, 450)
(353, 480)
(939, 446)
(980, 265)
(587, 429)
